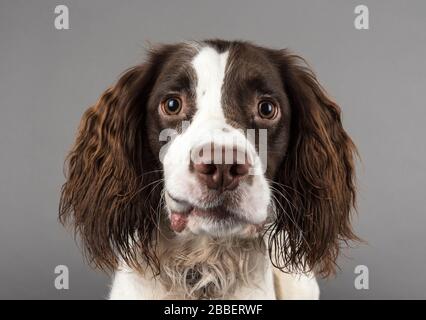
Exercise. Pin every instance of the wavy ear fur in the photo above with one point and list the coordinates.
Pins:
(110, 173)
(317, 176)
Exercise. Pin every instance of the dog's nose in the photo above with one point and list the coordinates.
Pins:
(224, 175)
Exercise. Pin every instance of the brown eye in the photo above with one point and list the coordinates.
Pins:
(172, 106)
(267, 109)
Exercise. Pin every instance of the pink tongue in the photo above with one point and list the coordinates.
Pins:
(178, 221)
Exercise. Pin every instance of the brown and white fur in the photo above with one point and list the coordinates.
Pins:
(153, 197)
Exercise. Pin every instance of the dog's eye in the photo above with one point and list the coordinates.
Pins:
(172, 106)
(267, 109)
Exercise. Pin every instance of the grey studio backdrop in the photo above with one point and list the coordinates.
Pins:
(48, 77)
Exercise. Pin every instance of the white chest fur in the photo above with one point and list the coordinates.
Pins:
(203, 268)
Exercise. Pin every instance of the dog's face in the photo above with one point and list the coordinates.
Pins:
(231, 139)
(214, 101)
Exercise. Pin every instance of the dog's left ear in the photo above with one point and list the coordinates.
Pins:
(317, 176)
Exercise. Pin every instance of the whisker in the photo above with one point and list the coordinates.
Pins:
(291, 219)
(150, 172)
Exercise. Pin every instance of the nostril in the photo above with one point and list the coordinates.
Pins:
(239, 170)
(206, 168)
(209, 174)
(209, 169)
(234, 170)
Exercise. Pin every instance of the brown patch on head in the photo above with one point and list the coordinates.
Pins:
(176, 79)
(251, 77)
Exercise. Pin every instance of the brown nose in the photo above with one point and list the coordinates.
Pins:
(223, 175)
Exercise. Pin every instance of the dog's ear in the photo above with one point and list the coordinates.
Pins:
(317, 176)
(107, 196)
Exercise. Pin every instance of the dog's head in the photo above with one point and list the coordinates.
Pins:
(218, 138)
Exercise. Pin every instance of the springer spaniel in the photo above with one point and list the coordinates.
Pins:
(214, 170)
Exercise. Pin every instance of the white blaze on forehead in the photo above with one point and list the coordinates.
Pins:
(207, 128)
(209, 120)
(209, 66)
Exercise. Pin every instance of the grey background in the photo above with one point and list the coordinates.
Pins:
(49, 77)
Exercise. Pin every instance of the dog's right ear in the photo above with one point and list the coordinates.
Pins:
(106, 197)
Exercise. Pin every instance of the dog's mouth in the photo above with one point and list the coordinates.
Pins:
(219, 214)
(179, 220)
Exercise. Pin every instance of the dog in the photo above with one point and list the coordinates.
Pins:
(214, 170)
